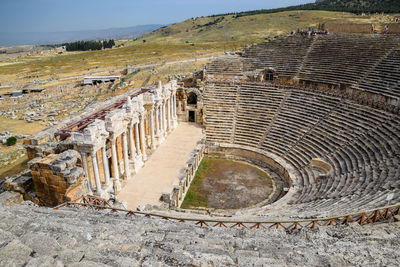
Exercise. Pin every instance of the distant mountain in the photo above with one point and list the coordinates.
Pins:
(42, 38)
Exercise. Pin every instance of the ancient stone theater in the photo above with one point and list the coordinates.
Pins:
(319, 114)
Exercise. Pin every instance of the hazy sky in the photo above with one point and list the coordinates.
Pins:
(71, 15)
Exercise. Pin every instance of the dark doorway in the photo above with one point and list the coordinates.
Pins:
(269, 76)
(192, 116)
(191, 98)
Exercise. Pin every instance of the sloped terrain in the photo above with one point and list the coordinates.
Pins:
(240, 29)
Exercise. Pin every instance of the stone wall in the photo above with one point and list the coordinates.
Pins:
(58, 178)
(176, 197)
(394, 28)
(348, 27)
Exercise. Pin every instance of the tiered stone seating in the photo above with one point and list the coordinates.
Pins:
(344, 59)
(366, 62)
(361, 154)
(299, 113)
(220, 105)
(228, 66)
(383, 79)
(255, 112)
(89, 237)
(362, 144)
(285, 55)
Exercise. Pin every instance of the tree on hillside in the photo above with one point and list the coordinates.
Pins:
(108, 43)
(84, 46)
(11, 141)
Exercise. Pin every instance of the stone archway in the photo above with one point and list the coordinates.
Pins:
(193, 93)
(191, 98)
(191, 102)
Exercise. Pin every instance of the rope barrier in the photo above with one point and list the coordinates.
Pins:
(362, 218)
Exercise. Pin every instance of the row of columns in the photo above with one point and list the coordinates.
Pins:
(133, 150)
(93, 155)
(162, 119)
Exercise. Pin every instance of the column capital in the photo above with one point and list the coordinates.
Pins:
(149, 107)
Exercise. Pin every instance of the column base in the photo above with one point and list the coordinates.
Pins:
(116, 186)
(128, 171)
(139, 162)
(108, 186)
(148, 142)
(103, 194)
(160, 139)
(154, 142)
(132, 167)
(174, 124)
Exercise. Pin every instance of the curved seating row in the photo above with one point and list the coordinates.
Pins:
(362, 144)
(366, 62)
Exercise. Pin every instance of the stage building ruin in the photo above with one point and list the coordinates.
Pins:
(104, 147)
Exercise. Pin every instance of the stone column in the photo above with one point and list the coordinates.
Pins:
(105, 165)
(163, 117)
(125, 153)
(171, 102)
(160, 120)
(93, 155)
(172, 112)
(169, 114)
(157, 124)
(138, 152)
(174, 116)
(117, 183)
(142, 138)
(174, 106)
(152, 129)
(131, 143)
(86, 168)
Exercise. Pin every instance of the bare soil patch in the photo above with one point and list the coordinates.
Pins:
(226, 184)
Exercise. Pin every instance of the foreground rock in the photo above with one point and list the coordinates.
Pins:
(33, 236)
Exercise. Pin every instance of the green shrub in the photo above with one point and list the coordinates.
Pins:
(11, 141)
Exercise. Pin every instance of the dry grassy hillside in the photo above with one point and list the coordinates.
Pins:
(255, 28)
(190, 38)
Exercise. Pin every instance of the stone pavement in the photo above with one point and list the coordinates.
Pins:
(163, 168)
